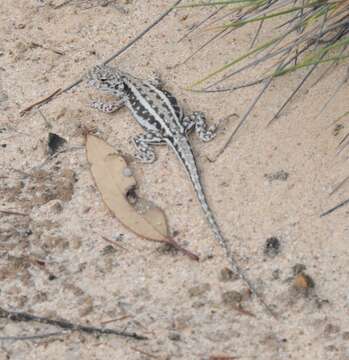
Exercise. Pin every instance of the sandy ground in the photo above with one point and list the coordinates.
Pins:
(54, 262)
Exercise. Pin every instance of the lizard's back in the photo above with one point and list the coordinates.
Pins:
(154, 109)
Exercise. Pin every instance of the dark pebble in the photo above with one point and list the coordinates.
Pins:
(272, 246)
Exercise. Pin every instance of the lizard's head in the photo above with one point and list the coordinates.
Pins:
(105, 78)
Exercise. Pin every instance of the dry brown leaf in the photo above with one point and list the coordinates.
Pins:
(143, 217)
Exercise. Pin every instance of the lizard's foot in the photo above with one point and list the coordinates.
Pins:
(198, 120)
(142, 143)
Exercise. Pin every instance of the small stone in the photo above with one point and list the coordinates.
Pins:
(227, 275)
(272, 246)
(280, 175)
(199, 290)
(54, 143)
(231, 298)
(174, 336)
(303, 282)
(109, 249)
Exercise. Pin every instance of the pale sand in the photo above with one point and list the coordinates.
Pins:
(176, 302)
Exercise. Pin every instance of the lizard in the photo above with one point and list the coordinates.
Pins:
(158, 112)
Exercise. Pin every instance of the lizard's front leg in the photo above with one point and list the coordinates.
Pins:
(144, 152)
(108, 107)
(198, 120)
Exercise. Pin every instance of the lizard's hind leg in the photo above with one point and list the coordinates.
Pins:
(198, 120)
(108, 107)
(142, 143)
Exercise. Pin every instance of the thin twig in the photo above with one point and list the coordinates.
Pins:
(31, 337)
(114, 243)
(117, 319)
(77, 82)
(345, 202)
(9, 212)
(41, 102)
(64, 324)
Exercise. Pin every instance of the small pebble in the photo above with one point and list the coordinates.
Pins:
(272, 246)
(109, 249)
(174, 336)
(280, 175)
(54, 143)
(303, 281)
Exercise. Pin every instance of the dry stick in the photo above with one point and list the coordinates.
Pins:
(345, 202)
(9, 212)
(31, 337)
(64, 324)
(42, 102)
(66, 89)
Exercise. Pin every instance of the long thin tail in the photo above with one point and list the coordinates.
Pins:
(186, 156)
